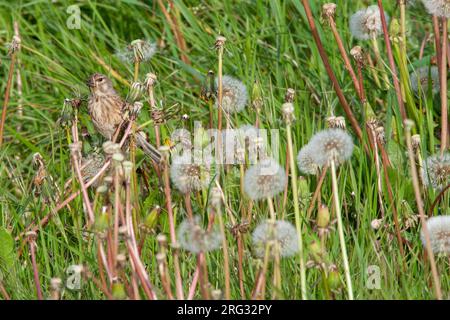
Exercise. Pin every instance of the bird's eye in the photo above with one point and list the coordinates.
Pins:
(101, 79)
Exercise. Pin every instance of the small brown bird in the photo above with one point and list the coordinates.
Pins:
(108, 111)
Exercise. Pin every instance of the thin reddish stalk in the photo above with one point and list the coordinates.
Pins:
(344, 55)
(392, 65)
(316, 192)
(419, 202)
(173, 238)
(330, 72)
(7, 92)
(4, 292)
(37, 282)
(444, 93)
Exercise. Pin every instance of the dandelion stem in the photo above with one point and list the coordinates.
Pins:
(37, 282)
(173, 239)
(387, 41)
(443, 74)
(380, 63)
(331, 75)
(298, 221)
(7, 92)
(415, 180)
(226, 264)
(344, 55)
(337, 208)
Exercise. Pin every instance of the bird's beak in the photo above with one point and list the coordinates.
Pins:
(90, 83)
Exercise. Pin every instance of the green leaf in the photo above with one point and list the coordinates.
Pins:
(6, 250)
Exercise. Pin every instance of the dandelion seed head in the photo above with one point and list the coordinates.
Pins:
(366, 23)
(305, 160)
(193, 238)
(331, 144)
(280, 232)
(137, 51)
(421, 79)
(439, 230)
(436, 171)
(440, 8)
(234, 96)
(189, 174)
(264, 179)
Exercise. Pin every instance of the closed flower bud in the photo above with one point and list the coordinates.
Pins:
(118, 291)
(323, 216)
(333, 279)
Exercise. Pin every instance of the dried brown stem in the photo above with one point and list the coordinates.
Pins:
(330, 72)
(7, 93)
(344, 55)
(392, 65)
(415, 180)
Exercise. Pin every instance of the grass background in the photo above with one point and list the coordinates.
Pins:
(268, 42)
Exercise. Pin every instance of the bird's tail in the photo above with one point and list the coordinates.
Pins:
(148, 149)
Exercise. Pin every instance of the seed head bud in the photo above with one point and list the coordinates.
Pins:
(216, 197)
(408, 123)
(109, 148)
(118, 157)
(127, 169)
(14, 45)
(135, 92)
(162, 239)
(415, 141)
(289, 96)
(150, 80)
(288, 112)
(217, 294)
(121, 259)
(376, 224)
(379, 135)
(357, 54)
(257, 100)
(160, 257)
(220, 42)
(336, 122)
(55, 284)
(209, 87)
(328, 10)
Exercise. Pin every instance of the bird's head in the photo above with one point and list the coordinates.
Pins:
(100, 84)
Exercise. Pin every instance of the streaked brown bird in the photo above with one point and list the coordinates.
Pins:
(108, 111)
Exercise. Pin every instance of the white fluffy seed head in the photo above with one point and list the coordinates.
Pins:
(436, 171)
(193, 238)
(281, 233)
(137, 51)
(189, 174)
(305, 160)
(439, 230)
(424, 77)
(331, 144)
(234, 95)
(264, 180)
(440, 8)
(366, 24)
